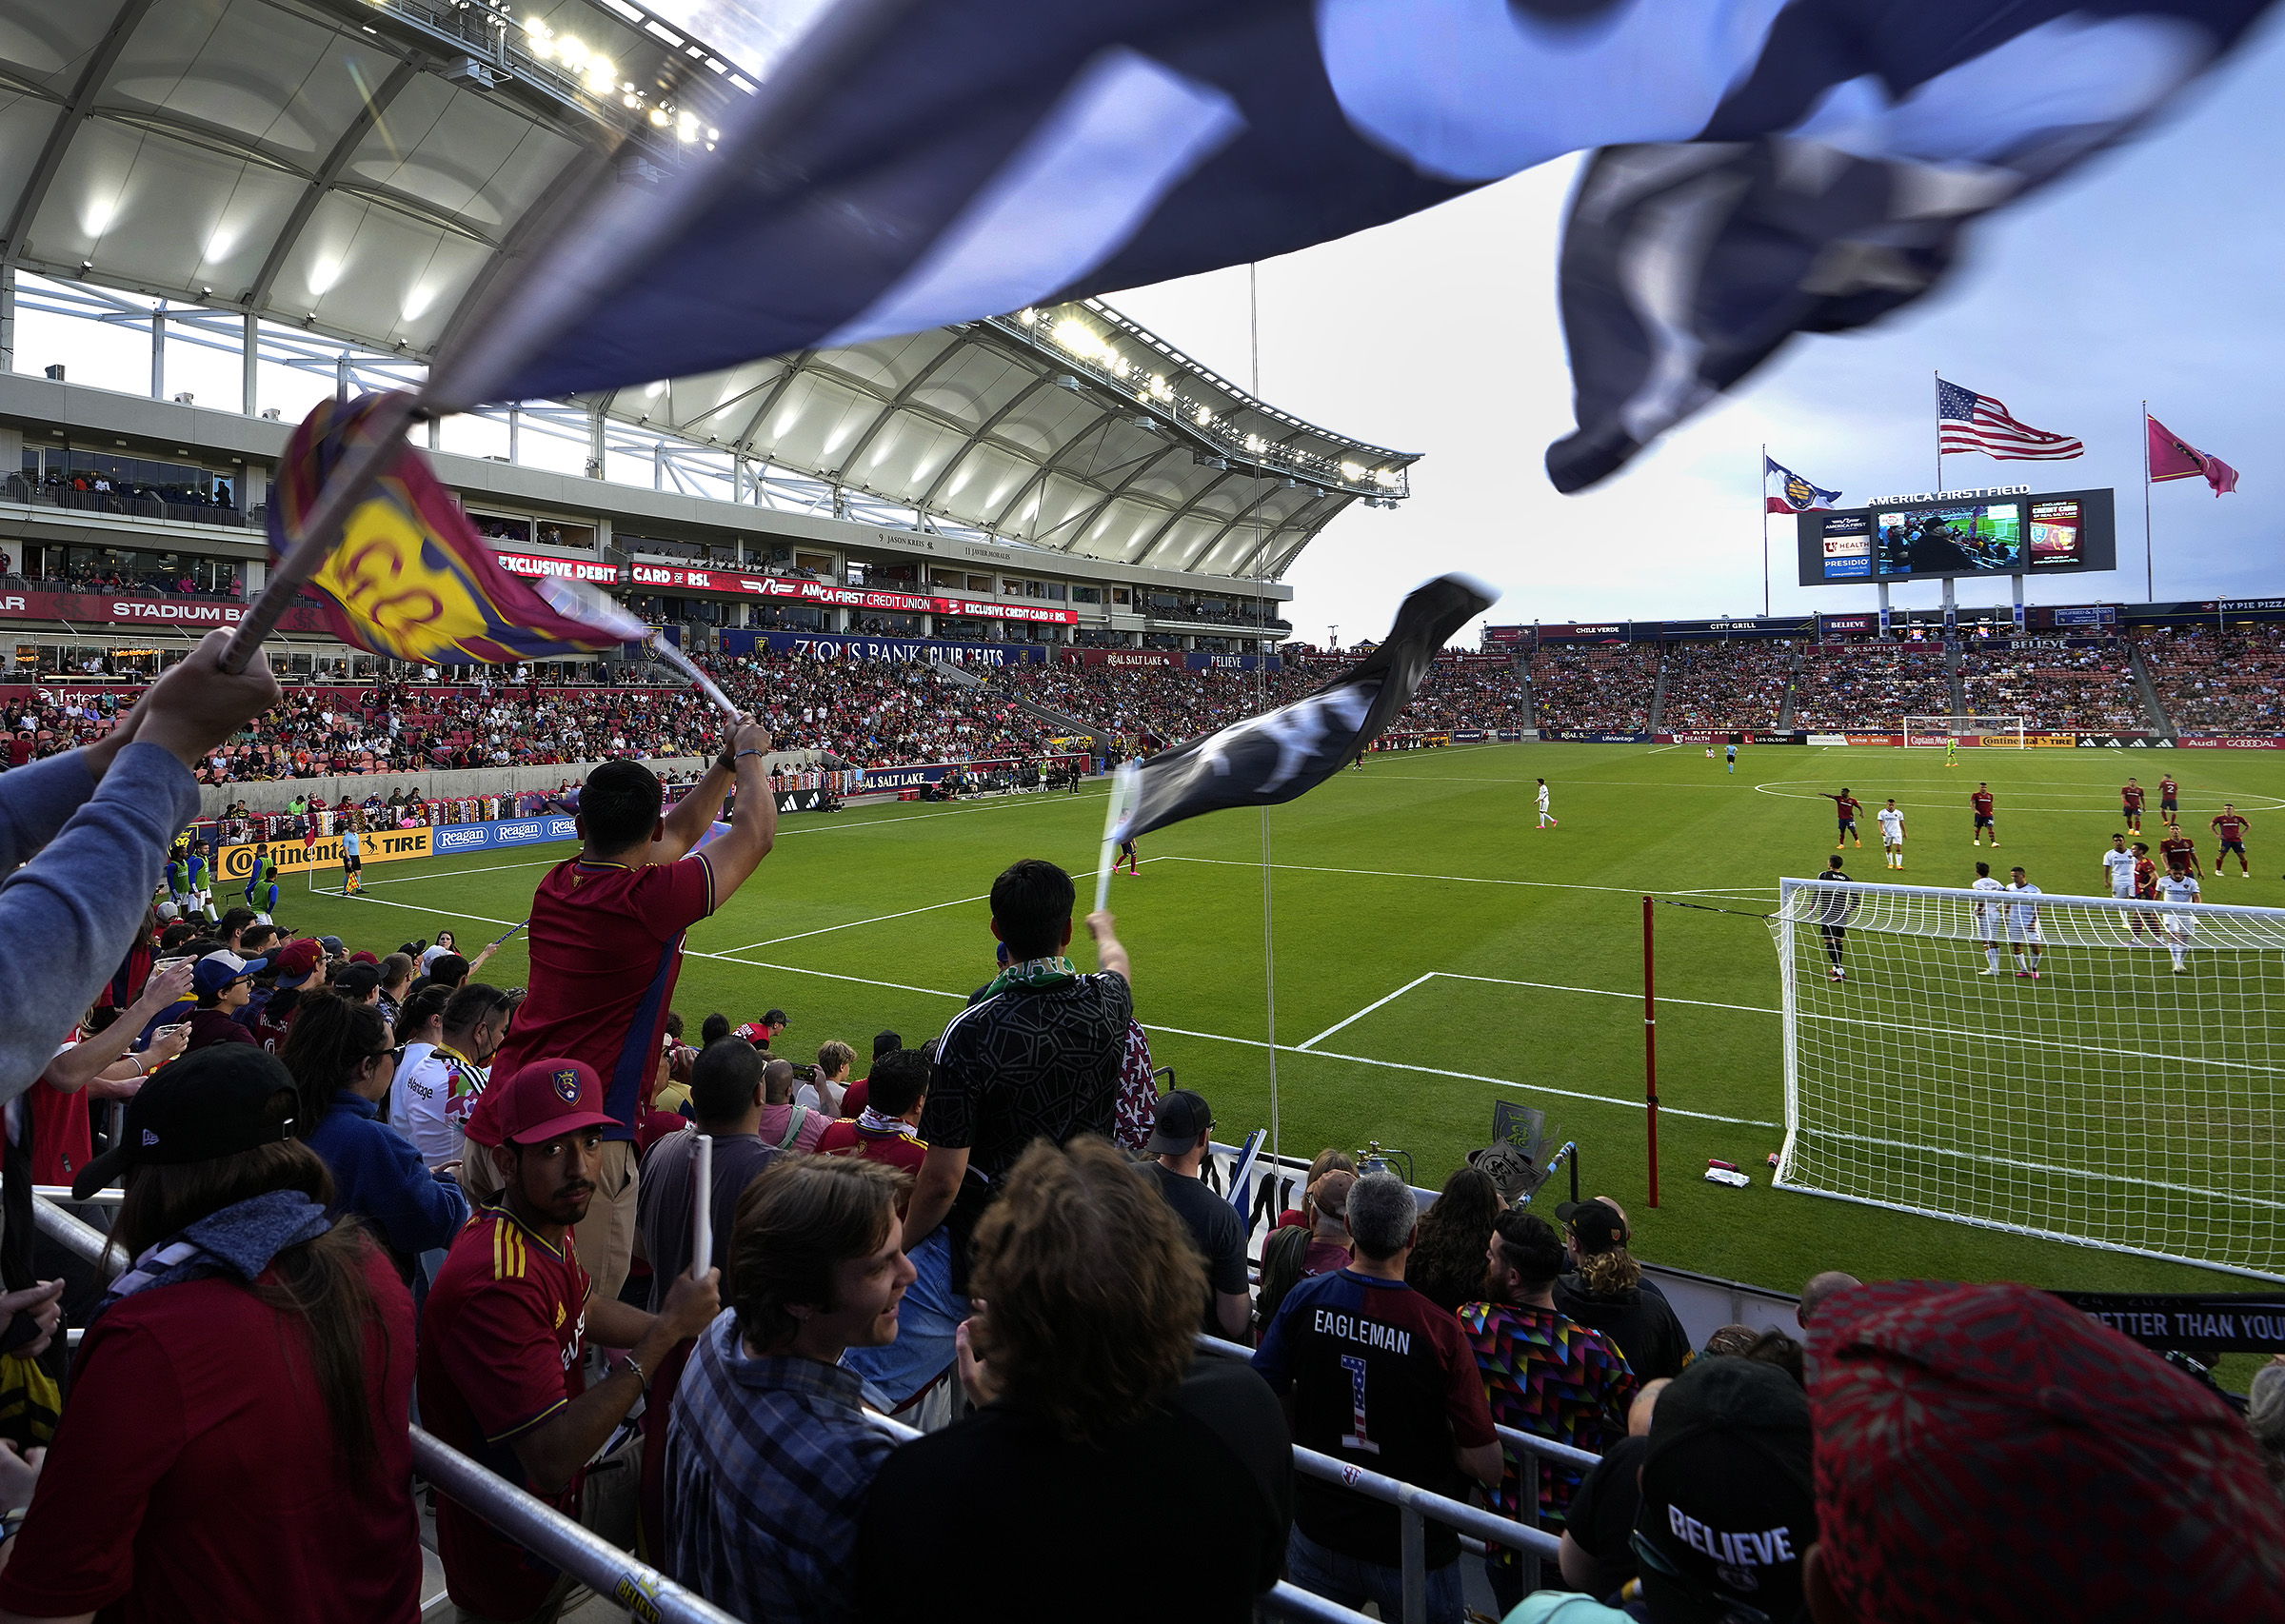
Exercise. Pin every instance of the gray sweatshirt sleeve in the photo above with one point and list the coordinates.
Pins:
(76, 909)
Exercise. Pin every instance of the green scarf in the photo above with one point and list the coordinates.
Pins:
(1034, 976)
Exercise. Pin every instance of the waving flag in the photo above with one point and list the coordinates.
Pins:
(1270, 759)
(1966, 421)
(906, 164)
(1784, 491)
(2174, 458)
(413, 581)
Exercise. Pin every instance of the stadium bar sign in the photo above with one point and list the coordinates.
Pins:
(1977, 494)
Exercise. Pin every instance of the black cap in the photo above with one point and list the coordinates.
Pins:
(353, 981)
(1183, 1115)
(1728, 1503)
(212, 1102)
(1595, 1225)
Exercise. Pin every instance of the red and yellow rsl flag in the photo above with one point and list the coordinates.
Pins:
(412, 579)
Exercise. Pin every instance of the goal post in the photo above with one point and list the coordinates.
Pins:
(1992, 732)
(2038, 1064)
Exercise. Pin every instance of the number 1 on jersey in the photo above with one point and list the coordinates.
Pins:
(1356, 1438)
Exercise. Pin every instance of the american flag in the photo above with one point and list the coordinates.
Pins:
(1966, 421)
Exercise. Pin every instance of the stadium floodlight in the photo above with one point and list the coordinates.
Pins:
(2100, 1070)
(1991, 732)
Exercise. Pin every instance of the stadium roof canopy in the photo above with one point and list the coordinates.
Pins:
(359, 168)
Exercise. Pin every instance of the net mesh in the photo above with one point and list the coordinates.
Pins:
(1995, 731)
(2112, 1101)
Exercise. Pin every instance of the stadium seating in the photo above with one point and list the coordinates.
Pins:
(1870, 686)
(1727, 686)
(2212, 681)
(2065, 690)
(1597, 688)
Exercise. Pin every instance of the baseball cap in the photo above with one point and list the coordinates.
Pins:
(775, 1017)
(1728, 1502)
(169, 913)
(1183, 1115)
(354, 981)
(1991, 1450)
(1595, 1225)
(221, 967)
(362, 957)
(296, 962)
(1331, 1192)
(543, 1098)
(212, 1102)
(332, 945)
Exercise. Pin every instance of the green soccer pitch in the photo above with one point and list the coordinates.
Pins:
(1435, 952)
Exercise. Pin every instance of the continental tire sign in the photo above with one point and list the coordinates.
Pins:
(384, 845)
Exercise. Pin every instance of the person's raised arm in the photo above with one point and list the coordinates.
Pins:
(83, 1064)
(553, 1452)
(754, 825)
(688, 820)
(1108, 950)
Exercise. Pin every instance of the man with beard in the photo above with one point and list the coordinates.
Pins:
(503, 1374)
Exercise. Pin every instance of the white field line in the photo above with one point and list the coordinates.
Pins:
(853, 924)
(1457, 879)
(2087, 1173)
(1312, 1043)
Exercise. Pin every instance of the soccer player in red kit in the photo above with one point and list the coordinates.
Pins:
(1981, 800)
(606, 945)
(2146, 882)
(2231, 825)
(2178, 841)
(1845, 807)
(2130, 805)
(2169, 797)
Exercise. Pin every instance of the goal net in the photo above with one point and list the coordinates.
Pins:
(2115, 1100)
(1992, 732)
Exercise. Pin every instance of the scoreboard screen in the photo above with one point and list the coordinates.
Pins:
(1981, 532)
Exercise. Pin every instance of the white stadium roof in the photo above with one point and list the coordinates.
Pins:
(359, 168)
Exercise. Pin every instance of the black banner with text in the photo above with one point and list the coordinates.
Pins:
(2203, 1323)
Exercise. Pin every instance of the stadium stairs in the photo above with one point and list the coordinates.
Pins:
(1062, 725)
(1652, 723)
(1955, 663)
(2154, 708)
(957, 673)
(1793, 689)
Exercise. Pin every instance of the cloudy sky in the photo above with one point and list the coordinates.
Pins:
(2152, 273)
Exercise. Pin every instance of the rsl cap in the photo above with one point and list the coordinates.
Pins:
(212, 1102)
(543, 1098)
(297, 961)
(1595, 1225)
(1183, 1115)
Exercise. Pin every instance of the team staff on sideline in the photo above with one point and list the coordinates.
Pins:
(101, 819)
(235, 1444)
(503, 1372)
(606, 946)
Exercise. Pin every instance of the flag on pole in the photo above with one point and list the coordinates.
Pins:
(1273, 758)
(412, 579)
(2174, 458)
(1784, 491)
(1966, 421)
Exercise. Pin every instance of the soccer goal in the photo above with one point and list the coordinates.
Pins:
(2128, 1097)
(1995, 732)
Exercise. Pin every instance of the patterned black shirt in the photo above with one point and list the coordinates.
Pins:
(1023, 1064)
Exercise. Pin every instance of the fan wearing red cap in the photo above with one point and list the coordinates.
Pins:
(501, 1373)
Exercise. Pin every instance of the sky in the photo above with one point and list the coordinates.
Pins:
(2149, 273)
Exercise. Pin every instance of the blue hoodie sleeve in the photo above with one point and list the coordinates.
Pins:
(82, 899)
(393, 1190)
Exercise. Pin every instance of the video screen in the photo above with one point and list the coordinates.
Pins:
(1848, 548)
(2055, 528)
(1961, 540)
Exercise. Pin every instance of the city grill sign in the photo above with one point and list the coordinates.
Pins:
(1917, 496)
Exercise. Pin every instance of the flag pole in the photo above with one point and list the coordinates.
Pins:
(1764, 529)
(667, 654)
(310, 543)
(702, 1208)
(1269, 935)
(2150, 576)
(1940, 429)
(1123, 797)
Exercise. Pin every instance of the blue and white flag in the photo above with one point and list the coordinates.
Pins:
(909, 163)
(1784, 491)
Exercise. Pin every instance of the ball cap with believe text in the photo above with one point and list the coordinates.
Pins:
(543, 1099)
(1728, 1506)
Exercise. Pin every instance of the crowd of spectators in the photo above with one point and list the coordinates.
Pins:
(1733, 685)
(990, 1233)
(1870, 686)
(1595, 686)
(2069, 690)
(2220, 682)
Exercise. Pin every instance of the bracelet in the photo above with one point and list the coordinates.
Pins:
(142, 1066)
(12, 1523)
(636, 1365)
(763, 754)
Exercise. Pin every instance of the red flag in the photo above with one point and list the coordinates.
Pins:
(2174, 458)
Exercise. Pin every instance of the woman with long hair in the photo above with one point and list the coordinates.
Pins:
(235, 1445)
(1099, 1413)
(1447, 1265)
(342, 1061)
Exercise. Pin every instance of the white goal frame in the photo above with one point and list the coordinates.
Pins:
(2111, 1102)
(1998, 732)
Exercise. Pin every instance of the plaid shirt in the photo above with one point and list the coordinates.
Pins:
(1554, 1379)
(768, 1464)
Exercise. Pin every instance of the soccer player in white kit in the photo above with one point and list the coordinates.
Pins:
(1988, 918)
(1892, 834)
(2023, 926)
(2119, 864)
(1546, 816)
(2177, 886)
